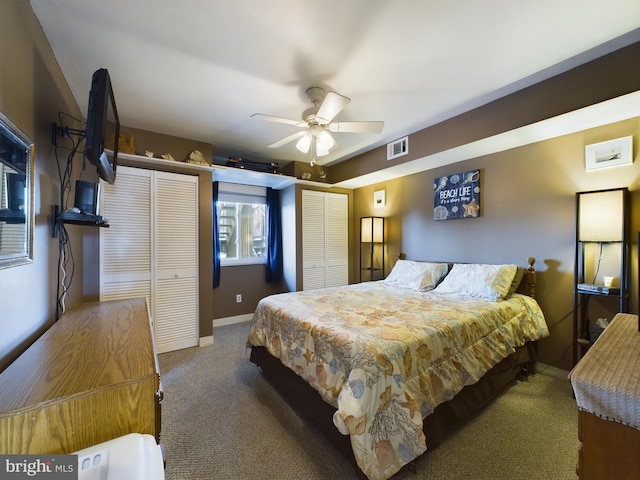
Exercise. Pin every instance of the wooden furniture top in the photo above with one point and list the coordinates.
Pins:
(606, 382)
(93, 346)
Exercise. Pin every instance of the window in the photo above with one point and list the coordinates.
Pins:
(242, 224)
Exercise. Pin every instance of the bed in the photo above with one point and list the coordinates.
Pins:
(386, 369)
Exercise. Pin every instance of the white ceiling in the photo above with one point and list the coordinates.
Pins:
(199, 69)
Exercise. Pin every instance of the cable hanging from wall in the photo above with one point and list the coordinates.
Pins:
(66, 263)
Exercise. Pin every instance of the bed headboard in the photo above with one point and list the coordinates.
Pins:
(527, 284)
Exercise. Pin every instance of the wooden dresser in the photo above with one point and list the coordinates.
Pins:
(606, 383)
(91, 377)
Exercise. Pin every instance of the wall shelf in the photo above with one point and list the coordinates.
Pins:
(85, 220)
(222, 173)
(158, 162)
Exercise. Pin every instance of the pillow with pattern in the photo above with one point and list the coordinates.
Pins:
(487, 282)
(418, 276)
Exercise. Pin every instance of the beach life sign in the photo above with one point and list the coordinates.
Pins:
(457, 196)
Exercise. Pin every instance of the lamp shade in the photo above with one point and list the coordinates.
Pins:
(318, 139)
(372, 229)
(304, 143)
(321, 150)
(325, 139)
(601, 216)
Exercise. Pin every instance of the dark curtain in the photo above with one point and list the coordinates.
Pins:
(274, 237)
(216, 238)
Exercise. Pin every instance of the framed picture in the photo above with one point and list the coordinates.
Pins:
(612, 153)
(457, 196)
(379, 199)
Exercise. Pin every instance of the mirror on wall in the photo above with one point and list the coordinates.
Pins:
(17, 153)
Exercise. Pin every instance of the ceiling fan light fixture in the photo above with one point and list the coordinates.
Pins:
(326, 140)
(304, 143)
(321, 149)
(318, 123)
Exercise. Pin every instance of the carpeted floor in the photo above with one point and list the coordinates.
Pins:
(222, 420)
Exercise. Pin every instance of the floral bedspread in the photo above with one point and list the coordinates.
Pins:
(385, 357)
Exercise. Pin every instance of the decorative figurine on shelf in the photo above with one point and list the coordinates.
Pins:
(197, 158)
(149, 154)
(168, 156)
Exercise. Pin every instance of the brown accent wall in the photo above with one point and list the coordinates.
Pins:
(317, 173)
(247, 280)
(161, 144)
(527, 209)
(602, 79)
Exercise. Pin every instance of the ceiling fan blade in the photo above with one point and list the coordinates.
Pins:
(288, 139)
(272, 118)
(331, 106)
(356, 127)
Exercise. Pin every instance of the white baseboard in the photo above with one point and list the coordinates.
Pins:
(205, 341)
(221, 322)
(552, 371)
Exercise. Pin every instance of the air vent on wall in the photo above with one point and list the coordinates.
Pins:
(397, 148)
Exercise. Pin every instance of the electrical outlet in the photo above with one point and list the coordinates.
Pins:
(239, 298)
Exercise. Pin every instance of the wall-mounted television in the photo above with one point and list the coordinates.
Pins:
(102, 124)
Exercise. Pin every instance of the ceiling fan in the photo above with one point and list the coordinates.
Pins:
(318, 125)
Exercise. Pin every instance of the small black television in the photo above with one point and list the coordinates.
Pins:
(102, 124)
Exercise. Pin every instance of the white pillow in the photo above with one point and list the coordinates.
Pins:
(488, 282)
(419, 276)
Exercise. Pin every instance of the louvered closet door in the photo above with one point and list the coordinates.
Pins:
(13, 241)
(313, 232)
(176, 272)
(325, 226)
(337, 238)
(151, 249)
(126, 247)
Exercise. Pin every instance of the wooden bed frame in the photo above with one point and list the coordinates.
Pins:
(306, 401)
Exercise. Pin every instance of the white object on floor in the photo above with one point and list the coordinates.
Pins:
(132, 457)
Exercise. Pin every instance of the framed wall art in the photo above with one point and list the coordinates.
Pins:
(457, 196)
(379, 199)
(612, 153)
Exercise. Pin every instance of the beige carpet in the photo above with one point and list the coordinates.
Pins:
(222, 420)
